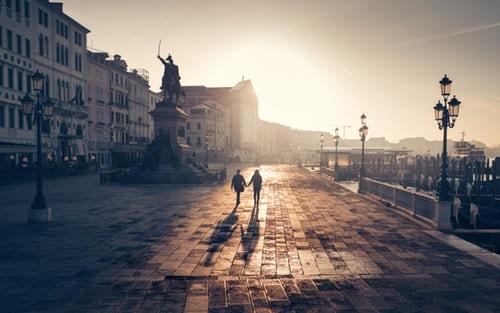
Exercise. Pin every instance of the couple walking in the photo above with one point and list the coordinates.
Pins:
(238, 184)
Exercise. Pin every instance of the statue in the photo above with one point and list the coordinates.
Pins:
(171, 81)
(161, 151)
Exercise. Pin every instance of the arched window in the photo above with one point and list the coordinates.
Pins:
(40, 45)
(63, 129)
(46, 86)
(59, 89)
(46, 45)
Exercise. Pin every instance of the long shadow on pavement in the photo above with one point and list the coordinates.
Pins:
(223, 231)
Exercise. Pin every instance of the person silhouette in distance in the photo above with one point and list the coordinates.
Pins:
(238, 185)
(257, 186)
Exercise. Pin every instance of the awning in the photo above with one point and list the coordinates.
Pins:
(127, 148)
(79, 147)
(17, 148)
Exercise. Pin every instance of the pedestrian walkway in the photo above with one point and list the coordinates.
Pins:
(311, 246)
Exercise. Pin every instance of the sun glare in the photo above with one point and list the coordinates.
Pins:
(290, 85)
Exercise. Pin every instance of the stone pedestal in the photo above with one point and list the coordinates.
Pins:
(171, 119)
(442, 215)
(40, 216)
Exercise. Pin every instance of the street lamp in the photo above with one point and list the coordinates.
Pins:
(37, 113)
(336, 137)
(445, 115)
(363, 132)
(321, 140)
(206, 150)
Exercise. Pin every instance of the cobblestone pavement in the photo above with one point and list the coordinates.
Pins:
(310, 246)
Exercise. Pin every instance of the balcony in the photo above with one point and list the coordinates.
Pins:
(64, 108)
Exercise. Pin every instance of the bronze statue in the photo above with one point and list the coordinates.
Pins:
(161, 151)
(171, 81)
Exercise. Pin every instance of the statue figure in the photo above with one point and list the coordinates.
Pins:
(161, 151)
(171, 81)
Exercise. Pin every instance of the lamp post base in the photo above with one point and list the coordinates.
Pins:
(442, 215)
(40, 215)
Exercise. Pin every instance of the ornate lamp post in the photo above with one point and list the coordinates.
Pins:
(36, 113)
(206, 150)
(363, 132)
(445, 115)
(336, 137)
(321, 141)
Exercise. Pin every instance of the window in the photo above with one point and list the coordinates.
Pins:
(12, 121)
(59, 94)
(20, 81)
(8, 4)
(28, 83)
(9, 39)
(40, 44)
(46, 91)
(43, 18)
(19, 44)
(27, 9)
(188, 140)
(198, 141)
(58, 54)
(10, 76)
(20, 118)
(1, 75)
(18, 6)
(28, 48)
(188, 125)
(78, 62)
(66, 56)
(1, 36)
(46, 46)
(78, 39)
(2, 116)
(198, 125)
(61, 29)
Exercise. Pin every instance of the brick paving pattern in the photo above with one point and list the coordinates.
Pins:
(310, 246)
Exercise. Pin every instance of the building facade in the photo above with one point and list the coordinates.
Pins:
(120, 102)
(244, 121)
(208, 130)
(98, 99)
(234, 111)
(38, 35)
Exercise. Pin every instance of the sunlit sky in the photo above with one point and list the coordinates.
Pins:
(318, 64)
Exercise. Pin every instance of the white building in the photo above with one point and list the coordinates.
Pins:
(120, 102)
(98, 99)
(38, 35)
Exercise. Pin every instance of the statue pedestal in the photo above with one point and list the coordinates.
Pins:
(171, 119)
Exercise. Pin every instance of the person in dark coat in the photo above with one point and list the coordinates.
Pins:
(238, 185)
(257, 186)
